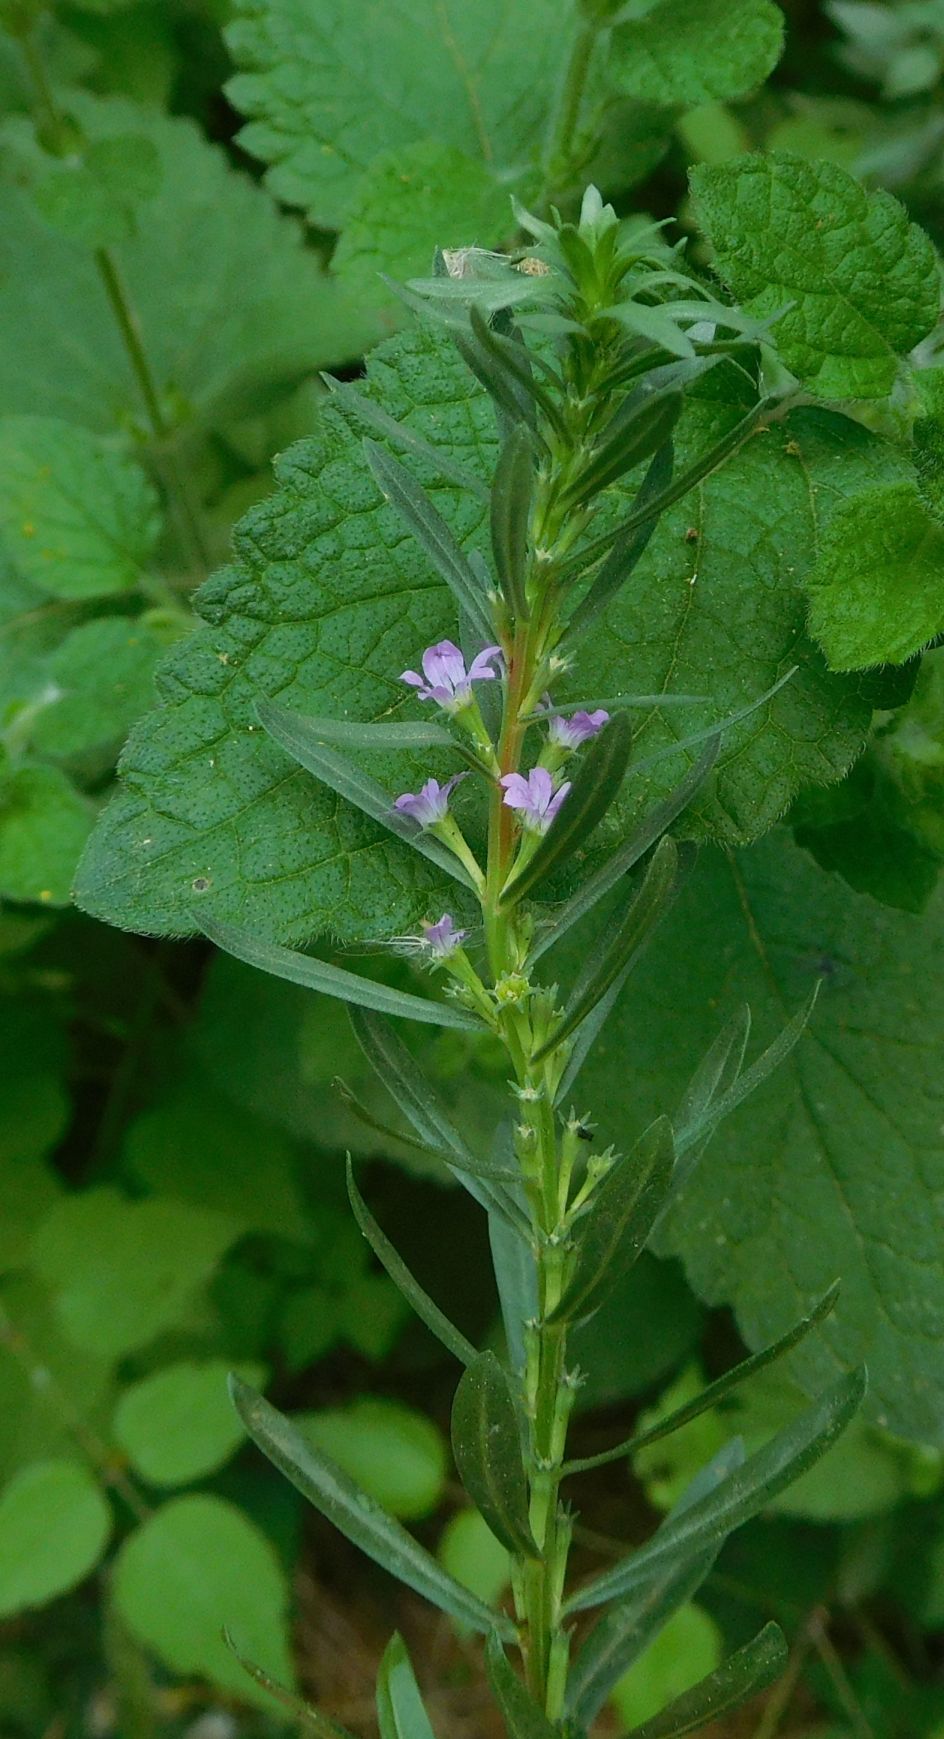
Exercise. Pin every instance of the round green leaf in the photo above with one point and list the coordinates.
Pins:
(179, 1423)
(196, 1566)
(54, 1526)
(398, 1456)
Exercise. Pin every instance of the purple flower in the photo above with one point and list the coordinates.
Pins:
(430, 804)
(570, 733)
(445, 678)
(443, 938)
(535, 796)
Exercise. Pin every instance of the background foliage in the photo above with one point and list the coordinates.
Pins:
(198, 213)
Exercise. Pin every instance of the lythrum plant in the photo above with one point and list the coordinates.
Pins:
(586, 342)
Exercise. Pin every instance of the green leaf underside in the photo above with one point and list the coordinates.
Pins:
(329, 600)
(875, 589)
(739, 1497)
(797, 1194)
(358, 1517)
(752, 1669)
(678, 53)
(486, 1443)
(322, 100)
(227, 301)
(328, 980)
(856, 281)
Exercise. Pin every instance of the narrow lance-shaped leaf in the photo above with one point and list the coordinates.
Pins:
(381, 734)
(401, 1713)
(509, 358)
(486, 1443)
(390, 1259)
(686, 480)
(714, 1392)
(522, 1716)
(650, 829)
(356, 1515)
(516, 1280)
(637, 430)
(595, 786)
(703, 1125)
(431, 533)
(623, 1633)
(512, 487)
(718, 1070)
(371, 1121)
(751, 1670)
(380, 422)
(621, 1213)
(334, 980)
(302, 739)
(307, 1719)
(627, 551)
(763, 1477)
(615, 950)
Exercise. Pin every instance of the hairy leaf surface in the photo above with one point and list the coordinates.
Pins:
(679, 53)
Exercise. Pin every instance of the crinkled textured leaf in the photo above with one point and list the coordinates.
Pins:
(860, 280)
(716, 607)
(875, 588)
(410, 202)
(79, 519)
(330, 600)
(44, 823)
(199, 1564)
(227, 301)
(325, 90)
(54, 1525)
(685, 54)
(835, 1168)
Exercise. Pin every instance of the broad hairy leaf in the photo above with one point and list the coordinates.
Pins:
(875, 588)
(354, 1514)
(486, 1443)
(227, 301)
(854, 282)
(329, 600)
(677, 53)
(843, 1141)
(323, 98)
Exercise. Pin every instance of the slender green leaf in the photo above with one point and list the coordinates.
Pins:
(400, 1710)
(621, 1635)
(431, 533)
(718, 728)
(718, 1070)
(486, 1443)
(650, 829)
(717, 1391)
(407, 1085)
(377, 1124)
(752, 1669)
(406, 734)
(512, 358)
(691, 1133)
(628, 549)
(390, 1259)
(523, 1718)
(762, 1478)
(639, 428)
(622, 1211)
(303, 739)
(380, 422)
(517, 1285)
(309, 1720)
(334, 980)
(512, 487)
(355, 1515)
(686, 480)
(618, 947)
(511, 403)
(596, 783)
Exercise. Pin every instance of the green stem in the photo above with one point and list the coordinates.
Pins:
(560, 155)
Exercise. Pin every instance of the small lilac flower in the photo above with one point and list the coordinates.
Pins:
(535, 796)
(430, 804)
(445, 678)
(442, 938)
(570, 733)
